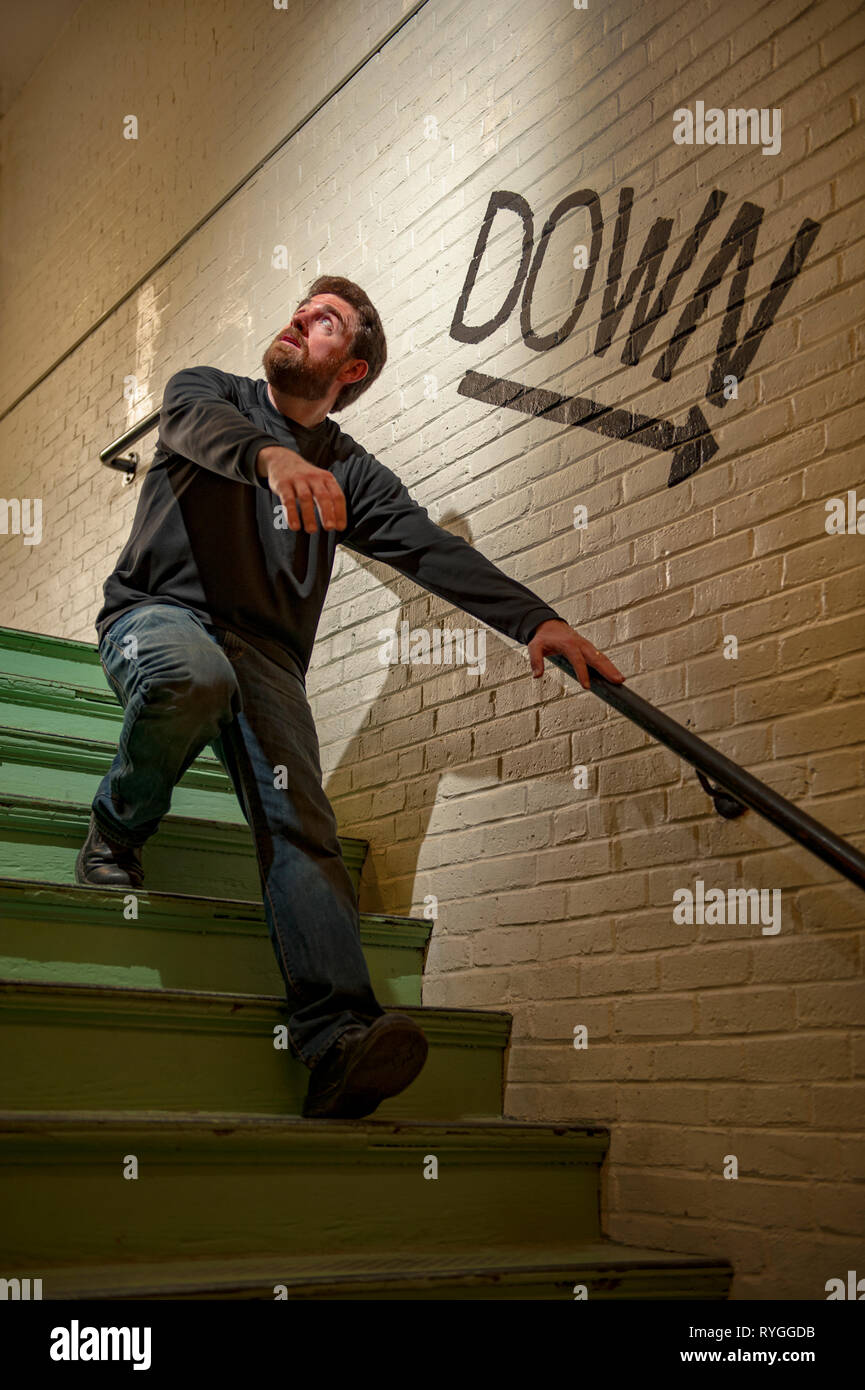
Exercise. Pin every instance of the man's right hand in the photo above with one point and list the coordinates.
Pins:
(300, 487)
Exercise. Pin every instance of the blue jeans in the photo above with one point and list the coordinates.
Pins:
(184, 685)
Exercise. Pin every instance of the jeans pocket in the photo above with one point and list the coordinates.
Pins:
(112, 656)
(115, 632)
(115, 686)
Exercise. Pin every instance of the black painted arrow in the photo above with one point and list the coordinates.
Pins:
(692, 444)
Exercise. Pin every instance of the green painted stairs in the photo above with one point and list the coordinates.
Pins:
(138, 1034)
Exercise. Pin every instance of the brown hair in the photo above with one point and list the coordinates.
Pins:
(369, 341)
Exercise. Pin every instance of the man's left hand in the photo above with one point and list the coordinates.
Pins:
(560, 637)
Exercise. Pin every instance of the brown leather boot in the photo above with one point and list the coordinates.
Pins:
(107, 865)
(365, 1066)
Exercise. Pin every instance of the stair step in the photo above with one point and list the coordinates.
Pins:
(224, 1185)
(58, 706)
(609, 1272)
(34, 654)
(79, 935)
(40, 840)
(229, 1205)
(110, 1047)
(63, 766)
(237, 1193)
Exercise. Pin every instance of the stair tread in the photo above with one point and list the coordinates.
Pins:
(491, 1019)
(10, 679)
(46, 1138)
(106, 746)
(63, 932)
(163, 1277)
(221, 830)
(26, 1121)
(80, 808)
(25, 639)
(46, 888)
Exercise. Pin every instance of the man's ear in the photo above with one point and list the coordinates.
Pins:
(350, 372)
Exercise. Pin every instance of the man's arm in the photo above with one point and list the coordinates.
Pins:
(386, 523)
(200, 420)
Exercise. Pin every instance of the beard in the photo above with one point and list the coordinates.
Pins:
(289, 369)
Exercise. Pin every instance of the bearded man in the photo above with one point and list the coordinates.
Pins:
(206, 634)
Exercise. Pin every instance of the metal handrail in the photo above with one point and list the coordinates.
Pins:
(741, 785)
(128, 465)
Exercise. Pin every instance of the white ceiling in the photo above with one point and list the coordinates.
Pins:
(28, 28)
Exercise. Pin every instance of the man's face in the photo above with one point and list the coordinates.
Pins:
(306, 356)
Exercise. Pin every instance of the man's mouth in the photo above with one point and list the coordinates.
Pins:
(290, 338)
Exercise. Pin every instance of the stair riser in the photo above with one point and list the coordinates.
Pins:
(64, 717)
(179, 858)
(78, 787)
(168, 869)
(224, 1064)
(53, 659)
(368, 1200)
(187, 955)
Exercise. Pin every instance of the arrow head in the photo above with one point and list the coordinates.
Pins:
(697, 447)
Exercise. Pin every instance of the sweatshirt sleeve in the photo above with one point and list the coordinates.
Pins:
(200, 420)
(386, 523)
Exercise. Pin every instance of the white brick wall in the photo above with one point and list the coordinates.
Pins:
(555, 904)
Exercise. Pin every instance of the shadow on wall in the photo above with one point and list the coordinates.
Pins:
(418, 611)
(607, 816)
